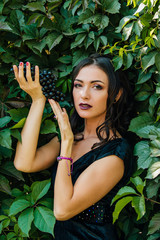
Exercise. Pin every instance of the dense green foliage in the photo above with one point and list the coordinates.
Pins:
(56, 35)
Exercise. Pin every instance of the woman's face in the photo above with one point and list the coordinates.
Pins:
(90, 92)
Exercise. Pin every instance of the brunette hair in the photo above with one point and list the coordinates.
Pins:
(117, 116)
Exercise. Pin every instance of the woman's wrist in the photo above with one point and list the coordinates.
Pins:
(66, 148)
(39, 100)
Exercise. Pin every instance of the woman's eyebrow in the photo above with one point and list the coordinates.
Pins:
(91, 81)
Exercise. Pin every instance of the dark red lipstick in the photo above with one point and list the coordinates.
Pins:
(84, 106)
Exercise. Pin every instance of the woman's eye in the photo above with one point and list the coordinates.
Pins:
(98, 87)
(76, 85)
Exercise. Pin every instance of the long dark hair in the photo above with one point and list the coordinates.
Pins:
(117, 115)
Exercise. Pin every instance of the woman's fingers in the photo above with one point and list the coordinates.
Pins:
(54, 107)
(36, 74)
(63, 120)
(21, 73)
(28, 72)
(59, 107)
(15, 69)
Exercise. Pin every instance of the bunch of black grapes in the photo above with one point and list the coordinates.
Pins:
(48, 81)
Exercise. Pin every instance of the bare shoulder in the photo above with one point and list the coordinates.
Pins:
(110, 167)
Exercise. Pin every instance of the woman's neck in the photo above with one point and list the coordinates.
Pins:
(90, 128)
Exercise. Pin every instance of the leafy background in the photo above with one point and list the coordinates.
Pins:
(56, 35)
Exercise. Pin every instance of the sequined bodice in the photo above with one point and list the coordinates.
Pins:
(97, 213)
(95, 222)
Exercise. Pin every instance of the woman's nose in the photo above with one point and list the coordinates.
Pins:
(85, 93)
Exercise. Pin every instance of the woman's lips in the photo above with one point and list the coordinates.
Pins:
(84, 106)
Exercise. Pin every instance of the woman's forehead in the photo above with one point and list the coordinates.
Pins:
(92, 73)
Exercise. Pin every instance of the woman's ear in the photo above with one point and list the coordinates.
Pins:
(118, 95)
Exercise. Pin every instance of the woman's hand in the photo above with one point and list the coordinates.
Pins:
(33, 88)
(63, 122)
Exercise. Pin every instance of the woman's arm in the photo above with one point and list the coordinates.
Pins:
(27, 157)
(92, 185)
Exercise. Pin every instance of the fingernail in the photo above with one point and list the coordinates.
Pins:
(27, 63)
(21, 64)
(54, 116)
(48, 100)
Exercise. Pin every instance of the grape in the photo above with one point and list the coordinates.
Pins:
(47, 81)
(44, 79)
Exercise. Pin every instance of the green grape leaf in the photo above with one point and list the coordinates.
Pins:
(15, 133)
(78, 55)
(79, 39)
(124, 191)
(100, 21)
(48, 127)
(65, 59)
(25, 220)
(86, 17)
(127, 61)
(4, 121)
(155, 146)
(124, 21)
(138, 27)
(18, 206)
(18, 114)
(34, 17)
(39, 189)
(53, 39)
(34, 6)
(103, 40)
(119, 206)
(143, 152)
(96, 43)
(154, 170)
(154, 224)
(5, 138)
(137, 181)
(47, 202)
(155, 236)
(44, 219)
(148, 60)
(143, 77)
(20, 124)
(152, 188)
(127, 30)
(4, 185)
(8, 169)
(5, 27)
(117, 61)
(141, 121)
(112, 6)
(138, 203)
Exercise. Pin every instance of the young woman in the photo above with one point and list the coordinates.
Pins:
(94, 158)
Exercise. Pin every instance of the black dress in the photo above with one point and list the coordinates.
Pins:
(95, 223)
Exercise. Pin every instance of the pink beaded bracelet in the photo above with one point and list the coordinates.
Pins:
(59, 158)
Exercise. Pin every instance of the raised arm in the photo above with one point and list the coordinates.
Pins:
(28, 158)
